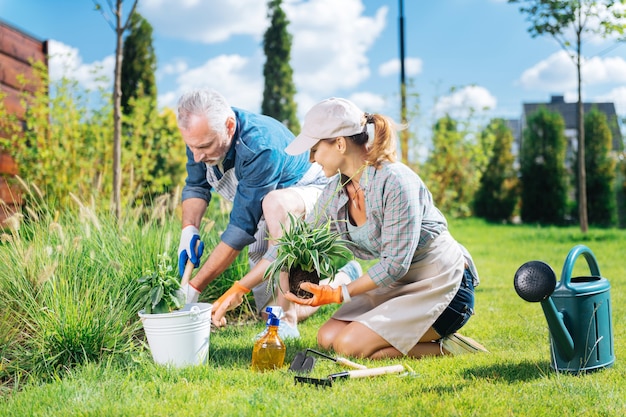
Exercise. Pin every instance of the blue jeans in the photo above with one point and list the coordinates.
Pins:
(460, 309)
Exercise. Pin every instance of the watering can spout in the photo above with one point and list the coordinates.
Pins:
(560, 334)
(535, 281)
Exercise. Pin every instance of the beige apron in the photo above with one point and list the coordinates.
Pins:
(402, 312)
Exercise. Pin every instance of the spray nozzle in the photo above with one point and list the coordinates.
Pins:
(273, 318)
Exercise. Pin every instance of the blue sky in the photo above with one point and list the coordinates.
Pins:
(460, 54)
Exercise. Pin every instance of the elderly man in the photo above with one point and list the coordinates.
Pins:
(240, 155)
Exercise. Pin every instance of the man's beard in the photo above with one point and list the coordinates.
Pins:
(214, 162)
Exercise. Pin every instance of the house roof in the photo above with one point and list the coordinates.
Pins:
(568, 112)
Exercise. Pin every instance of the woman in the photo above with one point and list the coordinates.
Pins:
(421, 291)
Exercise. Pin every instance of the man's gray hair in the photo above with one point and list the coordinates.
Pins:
(204, 102)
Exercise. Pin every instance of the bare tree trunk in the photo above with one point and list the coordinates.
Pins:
(117, 114)
(404, 134)
(582, 173)
(119, 30)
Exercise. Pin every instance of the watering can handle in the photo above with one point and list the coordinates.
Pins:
(573, 254)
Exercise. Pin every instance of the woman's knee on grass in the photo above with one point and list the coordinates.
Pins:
(357, 340)
(328, 332)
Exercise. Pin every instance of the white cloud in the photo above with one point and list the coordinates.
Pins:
(555, 73)
(65, 61)
(461, 102)
(175, 67)
(330, 43)
(229, 74)
(206, 21)
(369, 102)
(604, 70)
(616, 96)
(168, 99)
(412, 67)
(558, 73)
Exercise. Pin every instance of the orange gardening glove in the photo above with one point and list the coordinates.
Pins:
(322, 294)
(228, 301)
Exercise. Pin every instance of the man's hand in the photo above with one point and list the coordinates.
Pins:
(190, 248)
(228, 301)
(322, 294)
(189, 293)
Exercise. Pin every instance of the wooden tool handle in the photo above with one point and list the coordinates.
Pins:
(187, 273)
(347, 362)
(361, 373)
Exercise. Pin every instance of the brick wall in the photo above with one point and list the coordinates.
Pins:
(18, 50)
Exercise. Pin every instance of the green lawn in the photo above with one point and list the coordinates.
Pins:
(514, 379)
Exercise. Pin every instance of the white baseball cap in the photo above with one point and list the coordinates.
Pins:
(328, 119)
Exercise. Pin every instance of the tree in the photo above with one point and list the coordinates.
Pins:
(279, 91)
(119, 30)
(559, 19)
(600, 168)
(138, 64)
(449, 169)
(149, 146)
(498, 192)
(153, 157)
(404, 134)
(544, 189)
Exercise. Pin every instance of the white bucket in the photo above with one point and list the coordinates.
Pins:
(179, 338)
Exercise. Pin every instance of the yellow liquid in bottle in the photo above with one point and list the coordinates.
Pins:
(269, 351)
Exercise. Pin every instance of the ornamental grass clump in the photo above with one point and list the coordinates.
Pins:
(308, 253)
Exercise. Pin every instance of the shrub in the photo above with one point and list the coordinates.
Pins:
(497, 195)
(543, 176)
(600, 170)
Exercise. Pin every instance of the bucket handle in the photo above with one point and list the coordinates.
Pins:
(194, 313)
(569, 264)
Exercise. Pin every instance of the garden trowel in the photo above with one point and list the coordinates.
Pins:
(302, 363)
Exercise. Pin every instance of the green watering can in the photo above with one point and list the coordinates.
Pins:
(578, 311)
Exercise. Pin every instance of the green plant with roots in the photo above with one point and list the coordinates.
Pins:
(306, 249)
(159, 290)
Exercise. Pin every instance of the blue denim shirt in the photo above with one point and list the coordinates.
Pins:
(261, 165)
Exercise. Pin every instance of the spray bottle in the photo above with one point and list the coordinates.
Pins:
(269, 350)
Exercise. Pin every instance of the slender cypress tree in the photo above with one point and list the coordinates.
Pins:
(544, 187)
(600, 166)
(279, 91)
(138, 64)
(497, 194)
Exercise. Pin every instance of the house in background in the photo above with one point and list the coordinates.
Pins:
(568, 112)
(18, 52)
(515, 126)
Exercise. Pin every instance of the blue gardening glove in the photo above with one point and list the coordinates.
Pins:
(187, 250)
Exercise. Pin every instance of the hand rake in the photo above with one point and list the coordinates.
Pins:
(360, 373)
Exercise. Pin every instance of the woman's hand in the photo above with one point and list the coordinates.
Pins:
(322, 294)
